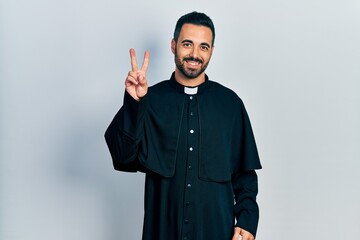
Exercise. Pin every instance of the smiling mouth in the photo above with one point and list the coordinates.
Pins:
(193, 63)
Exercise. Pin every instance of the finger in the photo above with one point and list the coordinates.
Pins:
(133, 74)
(247, 238)
(131, 81)
(246, 235)
(134, 65)
(236, 234)
(141, 77)
(235, 237)
(237, 230)
(146, 61)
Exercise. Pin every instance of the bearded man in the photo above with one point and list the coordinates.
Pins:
(193, 139)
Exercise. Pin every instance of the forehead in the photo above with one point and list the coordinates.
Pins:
(195, 33)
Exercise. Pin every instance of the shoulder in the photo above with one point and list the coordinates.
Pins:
(160, 85)
(222, 92)
(160, 89)
(162, 92)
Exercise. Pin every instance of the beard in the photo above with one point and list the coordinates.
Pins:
(188, 72)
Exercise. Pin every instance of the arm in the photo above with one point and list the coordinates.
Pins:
(245, 181)
(124, 134)
(245, 185)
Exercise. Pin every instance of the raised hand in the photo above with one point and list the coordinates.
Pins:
(136, 83)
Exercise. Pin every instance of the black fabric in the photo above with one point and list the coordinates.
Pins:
(199, 155)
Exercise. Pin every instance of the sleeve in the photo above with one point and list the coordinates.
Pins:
(123, 136)
(246, 210)
(244, 179)
(249, 156)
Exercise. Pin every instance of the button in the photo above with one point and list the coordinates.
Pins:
(189, 166)
(191, 149)
(191, 114)
(186, 221)
(189, 185)
(191, 97)
(191, 131)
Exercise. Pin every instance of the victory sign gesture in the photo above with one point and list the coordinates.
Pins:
(136, 83)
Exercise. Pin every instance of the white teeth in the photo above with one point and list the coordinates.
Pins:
(193, 63)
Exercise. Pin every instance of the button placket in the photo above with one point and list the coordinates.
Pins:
(192, 155)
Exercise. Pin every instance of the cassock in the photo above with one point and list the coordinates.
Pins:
(198, 151)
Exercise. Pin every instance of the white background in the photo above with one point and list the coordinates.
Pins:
(296, 65)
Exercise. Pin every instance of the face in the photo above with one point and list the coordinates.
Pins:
(192, 50)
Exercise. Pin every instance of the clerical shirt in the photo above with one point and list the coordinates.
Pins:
(198, 151)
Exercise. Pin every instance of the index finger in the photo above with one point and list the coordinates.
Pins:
(146, 61)
(134, 65)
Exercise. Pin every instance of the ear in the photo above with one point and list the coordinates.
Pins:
(173, 46)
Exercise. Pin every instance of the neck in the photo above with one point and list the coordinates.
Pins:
(189, 82)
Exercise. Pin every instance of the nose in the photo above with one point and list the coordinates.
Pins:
(195, 52)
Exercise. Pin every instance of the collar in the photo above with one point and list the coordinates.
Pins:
(180, 88)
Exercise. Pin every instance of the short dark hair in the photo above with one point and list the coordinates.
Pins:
(195, 18)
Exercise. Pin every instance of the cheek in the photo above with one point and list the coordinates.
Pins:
(182, 54)
(206, 57)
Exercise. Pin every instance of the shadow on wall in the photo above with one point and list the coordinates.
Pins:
(96, 193)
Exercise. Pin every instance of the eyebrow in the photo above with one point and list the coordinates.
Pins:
(189, 41)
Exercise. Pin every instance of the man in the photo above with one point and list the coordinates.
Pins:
(193, 139)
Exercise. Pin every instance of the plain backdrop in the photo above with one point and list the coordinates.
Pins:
(295, 64)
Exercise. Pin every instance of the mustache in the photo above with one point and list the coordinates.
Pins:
(193, 59)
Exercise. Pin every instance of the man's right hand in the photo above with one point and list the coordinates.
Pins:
(136, 83)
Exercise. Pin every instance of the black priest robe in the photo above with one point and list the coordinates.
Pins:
(199, 155)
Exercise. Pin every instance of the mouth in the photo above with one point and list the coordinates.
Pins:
(193, 62)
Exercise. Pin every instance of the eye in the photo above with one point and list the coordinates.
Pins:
(204, 47)
(187, 45)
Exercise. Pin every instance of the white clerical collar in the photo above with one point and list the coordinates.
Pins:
(191, 90)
